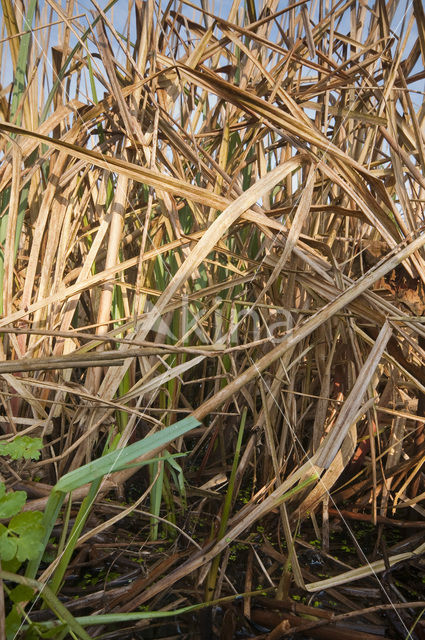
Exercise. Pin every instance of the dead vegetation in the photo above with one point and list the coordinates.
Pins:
(217, 215)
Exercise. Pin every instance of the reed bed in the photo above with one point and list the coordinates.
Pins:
(212, 306)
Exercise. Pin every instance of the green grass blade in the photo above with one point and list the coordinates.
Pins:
(156, 471)
(212, 575)
(117, 460)
(50, 515)
(114, 461)
(21, 68)
(83, 514)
